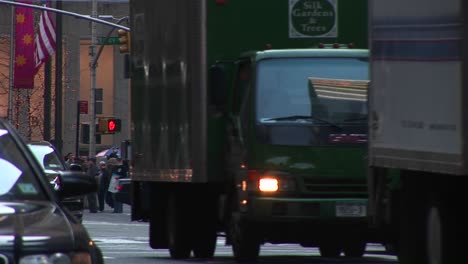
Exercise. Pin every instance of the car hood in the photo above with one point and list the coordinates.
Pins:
(36, 226)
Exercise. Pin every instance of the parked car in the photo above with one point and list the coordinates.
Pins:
(53, 165)
(34, 226)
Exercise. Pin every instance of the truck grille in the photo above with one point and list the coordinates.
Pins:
(336, 187)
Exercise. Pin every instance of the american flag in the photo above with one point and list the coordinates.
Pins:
(45, 40)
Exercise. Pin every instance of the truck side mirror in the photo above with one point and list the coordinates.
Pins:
(218, 87)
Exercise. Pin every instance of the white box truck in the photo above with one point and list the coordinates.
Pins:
(418, 128)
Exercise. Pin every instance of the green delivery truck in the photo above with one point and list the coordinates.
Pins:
(247, 124)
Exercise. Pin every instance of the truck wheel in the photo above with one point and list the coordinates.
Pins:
(354, 249)
(446, 230)
(245, 244)
(434, 235)
(204, 244)
(177, 233)
(412, 235)
(391, 248)
(329, 249)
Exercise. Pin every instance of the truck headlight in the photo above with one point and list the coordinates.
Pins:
(268, 185)
(270, 182)
(57, 258)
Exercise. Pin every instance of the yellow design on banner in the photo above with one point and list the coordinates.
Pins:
(21, 60)
(20, 18)
(27, 39)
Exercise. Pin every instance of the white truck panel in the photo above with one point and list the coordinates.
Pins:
(436, 127)
(416, 60)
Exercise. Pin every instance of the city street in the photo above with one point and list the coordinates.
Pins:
(124, 242)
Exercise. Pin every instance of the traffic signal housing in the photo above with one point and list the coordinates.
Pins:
(110, 125)
(124, 40)
(85, 134)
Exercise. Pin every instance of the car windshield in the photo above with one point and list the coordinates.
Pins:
(18, 180)
(47, 157)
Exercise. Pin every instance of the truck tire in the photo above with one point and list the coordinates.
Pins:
(446, 229)
(435, 231)
(412, 231)
(177, 230)
(205, 245)
(354, 249)
(329, 249)
(204, 239)
(245, 244)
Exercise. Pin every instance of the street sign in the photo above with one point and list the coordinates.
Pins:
(108, 41)
(83, 107)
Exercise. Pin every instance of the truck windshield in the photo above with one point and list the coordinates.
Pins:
(332, 89)
(295, 95)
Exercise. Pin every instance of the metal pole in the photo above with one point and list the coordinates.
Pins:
(77, 132)
(58, 79)
(12, 63)
(92, 100)
(47, 98)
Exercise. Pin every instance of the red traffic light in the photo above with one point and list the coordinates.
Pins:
(113, 125)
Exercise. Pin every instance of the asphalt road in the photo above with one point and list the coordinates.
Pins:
(125, 242)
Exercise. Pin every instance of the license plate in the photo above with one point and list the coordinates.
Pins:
(351, 210)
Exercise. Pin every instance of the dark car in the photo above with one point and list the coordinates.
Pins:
(34, 226)
(123, 191)
(53, 165)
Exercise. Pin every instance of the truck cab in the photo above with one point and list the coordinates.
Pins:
(296, 148)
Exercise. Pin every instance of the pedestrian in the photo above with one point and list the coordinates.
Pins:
(76, 164)
(69, 159)
(103, 186)
(118, 171)
(92, 171)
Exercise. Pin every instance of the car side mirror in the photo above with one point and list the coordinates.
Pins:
(74, 183)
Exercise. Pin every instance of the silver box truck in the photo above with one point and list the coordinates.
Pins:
(418, 128)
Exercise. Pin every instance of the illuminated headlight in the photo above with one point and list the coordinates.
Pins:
(268, 185)
(57, 258)
(269, 182)
(277, 183)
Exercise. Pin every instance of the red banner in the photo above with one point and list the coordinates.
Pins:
(24, 47)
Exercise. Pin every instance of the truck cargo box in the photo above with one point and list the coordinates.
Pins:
(418, 117)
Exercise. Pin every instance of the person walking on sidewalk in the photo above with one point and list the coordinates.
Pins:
(104, 179)
(118, 171)
(92, 171)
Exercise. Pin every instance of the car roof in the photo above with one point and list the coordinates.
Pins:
(42, 142)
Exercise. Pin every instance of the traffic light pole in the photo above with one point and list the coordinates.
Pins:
(92, 99)
(93, 66)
